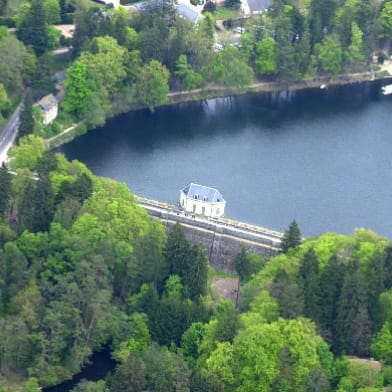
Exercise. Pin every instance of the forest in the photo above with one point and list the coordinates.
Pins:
(83, 267)
(123, 59)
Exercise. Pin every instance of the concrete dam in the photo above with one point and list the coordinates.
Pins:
(222, 238)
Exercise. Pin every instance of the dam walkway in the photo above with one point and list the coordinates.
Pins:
(221, 237)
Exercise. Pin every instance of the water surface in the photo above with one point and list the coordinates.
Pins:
(322, 157)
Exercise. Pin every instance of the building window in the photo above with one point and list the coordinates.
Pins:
(203, 210)
(217, 211)
(194, 208)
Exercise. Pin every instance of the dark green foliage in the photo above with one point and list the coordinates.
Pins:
(289, 295)
(352, 324)
(32, 30)
(308, 277)
(43, 82)
(80, 189)
(233, 4)
(227, 326)
(188, 262)
(202, 381)
(46, 164)
(242, 265)
(5, 189)
(26, 120)
(330, 285)
(130, 376)
(291, 238)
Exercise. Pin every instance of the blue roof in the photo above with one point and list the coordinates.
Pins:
(204, 193)
(187, 12)
(259, 5)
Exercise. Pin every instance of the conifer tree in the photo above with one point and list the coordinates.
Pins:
(291, 237)
(352, 326)
(309, 280)
(26, 120)
(330, 286)
(5, 188)
(32, 30)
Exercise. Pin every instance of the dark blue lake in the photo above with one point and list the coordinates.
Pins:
(323, 157)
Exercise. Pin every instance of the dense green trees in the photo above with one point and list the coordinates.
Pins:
(26, 120)
(33, 30)
(153, 84)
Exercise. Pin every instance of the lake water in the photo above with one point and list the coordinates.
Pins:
(323, 157)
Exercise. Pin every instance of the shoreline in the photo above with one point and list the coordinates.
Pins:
(212, 92)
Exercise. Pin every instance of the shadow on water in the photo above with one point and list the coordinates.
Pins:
(231, 114)
(101, 364)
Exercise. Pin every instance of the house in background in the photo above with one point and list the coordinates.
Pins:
(254, 6)
(115, 3)
(202, 200)
(49, 107)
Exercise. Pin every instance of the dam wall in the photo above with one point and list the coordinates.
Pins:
(221, 238)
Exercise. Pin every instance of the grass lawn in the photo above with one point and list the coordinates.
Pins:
(223, 13)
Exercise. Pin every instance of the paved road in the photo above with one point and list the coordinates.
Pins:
(8, 134)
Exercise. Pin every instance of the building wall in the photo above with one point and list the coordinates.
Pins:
(50, 115)
(201, 207)
(221, 248)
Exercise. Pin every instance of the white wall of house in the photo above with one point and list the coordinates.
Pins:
(200, 207)
(50, 114)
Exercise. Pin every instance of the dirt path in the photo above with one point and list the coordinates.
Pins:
(226, 288)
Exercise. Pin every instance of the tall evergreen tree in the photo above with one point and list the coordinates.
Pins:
(5, 188)
(196, 273)
(42, 82)
(177, 251)
(330, 286)
(292, 237)
(33, 31)
(308, 275)
(352, 327)
(26, 120)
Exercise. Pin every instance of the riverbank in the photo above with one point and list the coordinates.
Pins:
(212, 91)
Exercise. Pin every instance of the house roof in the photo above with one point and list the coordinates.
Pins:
(259, 5)
(47, 102)
(205, 193)
(188, 13)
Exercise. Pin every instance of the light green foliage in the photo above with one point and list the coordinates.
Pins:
(153, 84)
(230, 68)
(16, 63)
(331, 54)
(364, 375)
(106, 65)
(221, 362)
(138, 341)
(77, 90)
(257, 357)
(52, 11)
(207, 26)
(116, 212)
(266, 63)
(189, 79)
(355, 49)
(26, 154)
(31, 385)
(381, 347)
(385, 21)
(90, 386)
(4, 101)
(326, 246)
